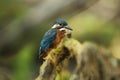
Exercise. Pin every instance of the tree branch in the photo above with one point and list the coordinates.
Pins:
(92, 62)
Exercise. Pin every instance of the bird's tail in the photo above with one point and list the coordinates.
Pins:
(40, 54)
(39, 57)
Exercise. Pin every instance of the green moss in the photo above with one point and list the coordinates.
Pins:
(64, 75)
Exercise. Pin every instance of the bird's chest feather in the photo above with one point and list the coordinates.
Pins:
(60, 35)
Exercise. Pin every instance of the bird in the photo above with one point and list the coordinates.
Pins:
(53, 37)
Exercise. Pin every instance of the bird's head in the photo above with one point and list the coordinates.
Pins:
(62, 26)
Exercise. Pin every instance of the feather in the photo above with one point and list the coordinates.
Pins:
(47, 41)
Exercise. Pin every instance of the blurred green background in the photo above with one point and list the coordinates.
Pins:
(24, 22)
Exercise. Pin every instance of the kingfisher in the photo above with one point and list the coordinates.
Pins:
(53, 37)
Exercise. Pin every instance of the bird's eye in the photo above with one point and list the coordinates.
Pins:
(62, 25)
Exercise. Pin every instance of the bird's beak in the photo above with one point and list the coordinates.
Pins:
(69, 28)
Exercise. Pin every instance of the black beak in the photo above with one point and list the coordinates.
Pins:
(69, 28)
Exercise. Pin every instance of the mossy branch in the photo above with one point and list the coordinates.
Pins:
(92, 62)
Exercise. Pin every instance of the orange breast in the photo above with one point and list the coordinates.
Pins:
(59, 36)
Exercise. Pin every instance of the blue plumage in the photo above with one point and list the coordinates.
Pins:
(47, 40)
(60, 21)
(50, 40)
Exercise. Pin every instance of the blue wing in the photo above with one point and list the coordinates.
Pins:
(47, 40)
